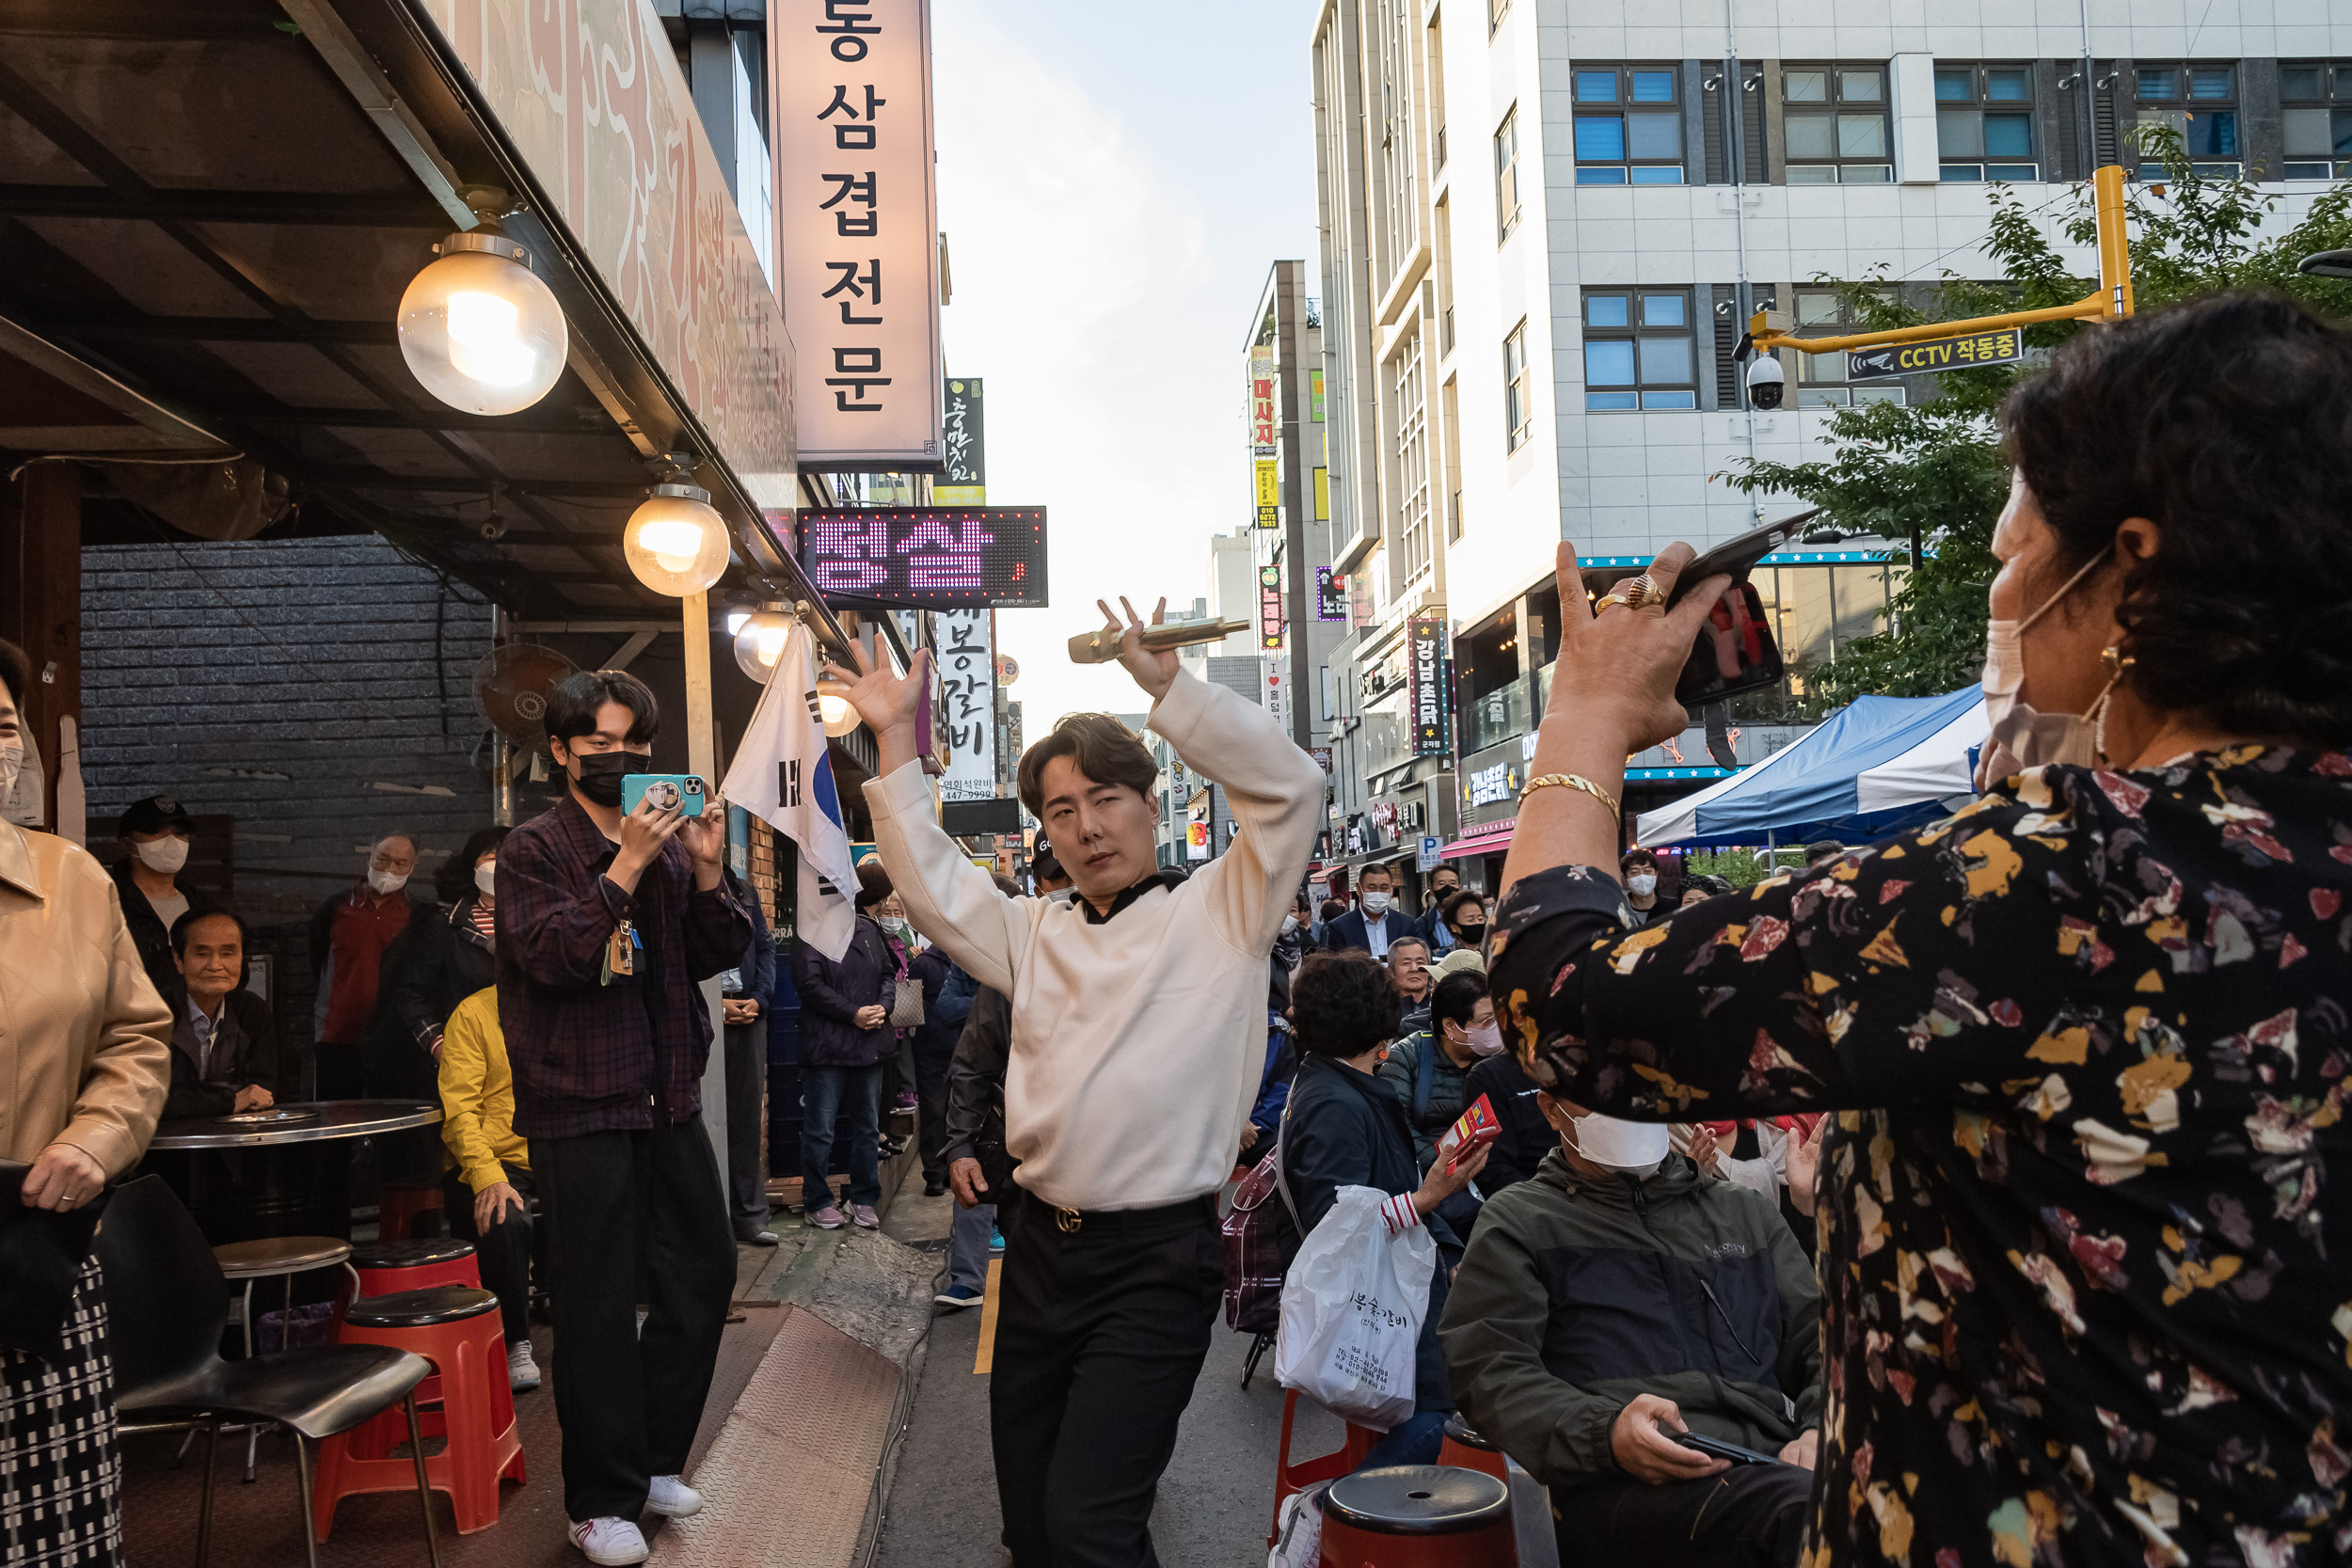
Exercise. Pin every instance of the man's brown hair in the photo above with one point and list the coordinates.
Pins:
(1103, 750)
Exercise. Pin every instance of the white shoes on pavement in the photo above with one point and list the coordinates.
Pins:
(522, 1370)
(671, 1497)
(609, 1541)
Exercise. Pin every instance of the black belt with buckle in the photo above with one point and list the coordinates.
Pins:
(1160, 1218)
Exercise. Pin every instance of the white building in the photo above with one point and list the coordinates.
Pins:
(1543, 231)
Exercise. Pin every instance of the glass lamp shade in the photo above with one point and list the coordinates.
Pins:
(479, 329)
(675, 543)
(834, 710)
(760, 643)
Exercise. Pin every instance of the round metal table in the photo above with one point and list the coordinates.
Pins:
(280, 1172)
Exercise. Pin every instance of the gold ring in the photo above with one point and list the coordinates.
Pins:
(1608, 600)
(1638, 592)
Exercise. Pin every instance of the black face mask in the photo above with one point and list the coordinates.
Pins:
(1471, 932)
(601, 775)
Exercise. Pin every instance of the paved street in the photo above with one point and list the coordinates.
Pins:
(1216, 1501)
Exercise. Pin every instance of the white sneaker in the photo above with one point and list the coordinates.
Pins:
(671, 1497)
(609, 1541)
(522, 1371)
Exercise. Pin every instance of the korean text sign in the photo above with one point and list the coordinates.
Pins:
(1428, 686)
(857, 228)
(927, 558)
(968, 700)
(1971, 350)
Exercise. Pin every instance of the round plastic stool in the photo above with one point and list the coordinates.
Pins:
(1292, 1476)
(1464, 1449)
(386, 1267)
(459, 1331)
(1418, 1516)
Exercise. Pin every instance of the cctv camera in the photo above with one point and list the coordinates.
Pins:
(1764, 379)
(493, 525)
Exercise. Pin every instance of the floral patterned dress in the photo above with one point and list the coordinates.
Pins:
(2083, 1297)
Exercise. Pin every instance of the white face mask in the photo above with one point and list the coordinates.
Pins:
(1642, 884)
(165, 855)
(1290, 924)
(1635, 1148)
(1375, 904)
(1484, 1040)
(12, 764)
(485, 878)
(2033, 738)
(387, 881)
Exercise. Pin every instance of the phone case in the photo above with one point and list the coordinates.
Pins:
(682, 792)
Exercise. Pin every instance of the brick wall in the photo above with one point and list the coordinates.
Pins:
(293, 685)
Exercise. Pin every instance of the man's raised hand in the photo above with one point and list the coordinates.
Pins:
(1155, 669)
(887, 702)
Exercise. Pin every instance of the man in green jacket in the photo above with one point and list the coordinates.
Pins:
(1618, 1301)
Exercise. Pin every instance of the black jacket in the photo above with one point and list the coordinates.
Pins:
(948, 994)
(429, 969)
(976, 1094)
(1527, 1137)
(832, 993)
(1348, 931)
(244, 1051)
(1344, 1129)
(148, 931)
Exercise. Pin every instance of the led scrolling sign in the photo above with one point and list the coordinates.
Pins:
(927, 558)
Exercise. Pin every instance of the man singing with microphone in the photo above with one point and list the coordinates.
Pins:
(1138, 1032)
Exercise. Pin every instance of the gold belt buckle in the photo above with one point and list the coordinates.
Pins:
(1069, 1220)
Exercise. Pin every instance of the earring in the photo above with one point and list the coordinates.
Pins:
(2117, 661)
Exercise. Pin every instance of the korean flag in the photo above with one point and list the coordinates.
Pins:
(781, 775)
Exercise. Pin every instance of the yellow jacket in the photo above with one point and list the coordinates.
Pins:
(84, 1041)
(478, 1093)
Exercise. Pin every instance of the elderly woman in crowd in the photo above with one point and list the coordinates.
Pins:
(2087, 1040)
(85, 1053)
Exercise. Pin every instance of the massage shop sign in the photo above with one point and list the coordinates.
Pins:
(857, 229)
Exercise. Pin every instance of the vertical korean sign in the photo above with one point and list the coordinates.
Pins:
(1267, 487)
(1270, 606)
(857, 228)
(964, 457)
(967, 685)
(1428, 686)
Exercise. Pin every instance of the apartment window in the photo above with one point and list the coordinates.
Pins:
(1507, 176)
(2200, 103)
(1984, 123)
(1637, 350)
(1834, 125)
(1822, 377)
(2316, 98)
(1628, 125)
(1448, 409)
(1412, 461)
(1517, 404)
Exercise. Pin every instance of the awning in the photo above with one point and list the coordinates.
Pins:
(1486, 839)
(1875, 767)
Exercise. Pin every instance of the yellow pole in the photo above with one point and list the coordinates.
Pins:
(2115, 255)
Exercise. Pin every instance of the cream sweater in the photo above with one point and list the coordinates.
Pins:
(1137, 1043)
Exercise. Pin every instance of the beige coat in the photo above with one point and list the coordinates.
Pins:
(85, 1040)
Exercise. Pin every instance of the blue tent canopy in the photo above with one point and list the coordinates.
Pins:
(1876, 766)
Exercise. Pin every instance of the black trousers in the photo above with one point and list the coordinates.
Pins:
(747, 1116)
(1748, 1517)
(1100, 1333)
(931, 1114)
(506, 1252)
(630, 1217)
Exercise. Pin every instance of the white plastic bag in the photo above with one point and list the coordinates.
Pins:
(1352, 1307)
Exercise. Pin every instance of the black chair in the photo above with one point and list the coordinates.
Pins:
(167, 1304)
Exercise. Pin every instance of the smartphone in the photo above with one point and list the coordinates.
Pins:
(1736, 652)
(683, 793)
(1715, 1449)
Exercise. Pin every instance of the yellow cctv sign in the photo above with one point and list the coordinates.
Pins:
(1969, 351)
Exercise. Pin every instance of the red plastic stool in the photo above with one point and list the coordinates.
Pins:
(1418, 1516)
(1466, 1450)
(1290, 1477)
(397, 1209)
(385, 1268)
(458, 1331)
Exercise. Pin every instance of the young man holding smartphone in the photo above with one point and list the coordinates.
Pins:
(606, 923)
(1138, 1038)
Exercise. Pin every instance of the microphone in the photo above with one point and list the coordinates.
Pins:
(1100, 646)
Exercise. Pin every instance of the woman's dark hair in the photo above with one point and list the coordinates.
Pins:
(873, 884)
(1344, 1004)
(1103, 749)
(1009, 888)
(2228, 423)
(15, 671)
(182, 927)
(1333, 908)
(1454, 902)
(1458, 997)
(453, 878)
(573, 701)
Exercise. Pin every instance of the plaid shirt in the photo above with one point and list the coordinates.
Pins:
(589, 1056)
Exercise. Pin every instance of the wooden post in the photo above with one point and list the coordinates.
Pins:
(41, 609)
(701, 756)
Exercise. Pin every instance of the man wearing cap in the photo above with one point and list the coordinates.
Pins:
(348, 935)
(155, 835)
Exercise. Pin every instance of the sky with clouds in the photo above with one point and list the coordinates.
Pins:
(1115, 182)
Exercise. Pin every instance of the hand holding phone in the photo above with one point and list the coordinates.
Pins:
(1736, 652)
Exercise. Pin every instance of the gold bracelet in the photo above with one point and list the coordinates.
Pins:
(1573, 781)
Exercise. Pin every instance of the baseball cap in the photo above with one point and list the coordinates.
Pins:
(154, 815)
(1042, 861)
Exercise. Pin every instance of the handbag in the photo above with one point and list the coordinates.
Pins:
(41, 1252)
(1253, 1250)
(906, 1003)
